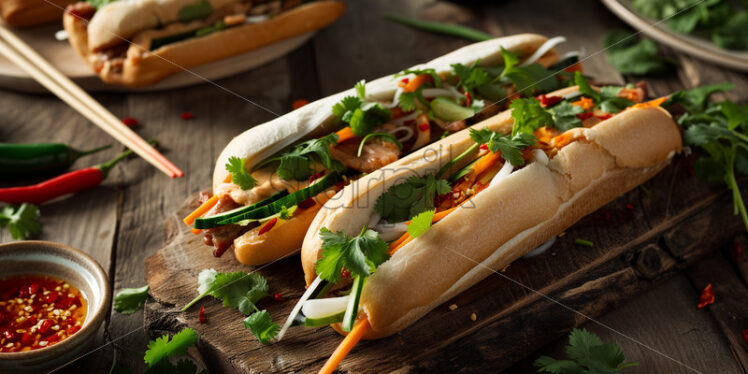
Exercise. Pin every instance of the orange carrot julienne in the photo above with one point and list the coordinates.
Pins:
(416, 82)
(350, 340)
(345, 134)
(440, 215)
(196, 231)
(202, 209)
(397, 243)
(652, 103)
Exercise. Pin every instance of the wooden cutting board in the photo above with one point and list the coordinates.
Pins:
(639, 239)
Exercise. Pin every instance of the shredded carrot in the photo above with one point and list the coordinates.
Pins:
(485, 162)
(562, 140)
(202, 209)
(350, 340)
(196, 231)
(585, 103)
(629, 94)
(573, 68)
(545, 134)
(416, 82)
(651, 103)
(440, 215)
(345, 134)
(407, 240)
(399, 241)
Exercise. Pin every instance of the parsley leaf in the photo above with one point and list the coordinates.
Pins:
(631, 57)
(22, 221)
(129, 300)
(565, 116)
(163, 347)
(403, 201)
(421, 223)
(529, 116)
(262, 326)
(239, 174)
(360, 254)
(298, 163)
(587, 354)
(510, 147)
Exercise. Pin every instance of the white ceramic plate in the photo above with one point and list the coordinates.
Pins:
(62, 55)
(699, 47)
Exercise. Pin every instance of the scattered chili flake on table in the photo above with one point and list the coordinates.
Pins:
(707, 296)
(201, 315)
(736, 251)
(629, 206)
(186, 115)
(38, 311)
(278, 297)
(130, 122)
(745, 335)
(299, 103)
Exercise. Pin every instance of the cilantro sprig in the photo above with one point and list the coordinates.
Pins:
(360, 254)
(164, 347)
(298, 163)
(129, 300)
(471, 77)
(529, 116)
(239, 174)
(630, 56)
(421, 223)
(528, 79)
(361, 115)
(511, 147)
(22, 221)
(262, 326)
(586, 354)
(403, 201)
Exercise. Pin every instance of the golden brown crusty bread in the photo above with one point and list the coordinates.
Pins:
(24, 13)
(503, 222)
(143, 67)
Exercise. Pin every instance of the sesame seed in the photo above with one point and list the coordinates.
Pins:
(473, 317)
(453, 307)
(56, 327)
(58, 288)
(45, 293)
(20, 331)
(66, 286)
(43, 343)
(57, 312)
(9, 345)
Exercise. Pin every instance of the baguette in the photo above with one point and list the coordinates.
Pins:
(141, 66)
(25, 13)
(504, 222)
(316, 119)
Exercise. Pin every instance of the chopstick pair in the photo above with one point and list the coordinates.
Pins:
(21, 54)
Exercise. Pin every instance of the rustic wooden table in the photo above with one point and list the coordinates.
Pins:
(121, 223)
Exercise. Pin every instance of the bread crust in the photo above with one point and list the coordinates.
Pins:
(143, 67)
(502, 223)
(24, 13)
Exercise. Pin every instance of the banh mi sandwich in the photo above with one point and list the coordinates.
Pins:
(408, 237)
(271, 181)
(139, 42)
(24, 13)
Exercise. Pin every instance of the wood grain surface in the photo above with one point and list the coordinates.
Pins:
(122, 223)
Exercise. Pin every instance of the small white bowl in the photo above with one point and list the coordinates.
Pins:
(63, 262)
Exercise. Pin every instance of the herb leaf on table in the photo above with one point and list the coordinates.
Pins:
(129, 300)
(164, 347)
(262, 326)
(631, 57)
(22, 221)
(586, 354)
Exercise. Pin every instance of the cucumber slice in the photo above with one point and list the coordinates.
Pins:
(448, 110)
(349, 319)
(324, 321)
(212, 221)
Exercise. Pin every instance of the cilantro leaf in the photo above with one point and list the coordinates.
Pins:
(163, 347)
(470, 77)
(346, 107)
(262, 326)
(510, 147)
(631, 57)
(565, 116)
(403, 201)
(733, 33)
(407, 101)
(298, 163)
(527, 79)
(360, 88)
(695, 100)
(22, 221)
(529, 116)
(239, 174)
(362, 116)
(421, 223)
(129, 300)
(432, 72)
(585, 87)
(587, 354)
(360, 254)
(234, 289)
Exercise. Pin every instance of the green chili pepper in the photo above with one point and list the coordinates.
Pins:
(19, 160)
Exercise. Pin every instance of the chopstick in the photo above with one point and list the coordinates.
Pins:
(21, 54)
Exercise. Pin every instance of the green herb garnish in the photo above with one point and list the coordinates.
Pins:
(421, 223)
(441, 28)
(22, 221)
(631, 57)
(239, 174)
(528, 79)
(529, 116)
(196, 11)
(511, 147)
(129, 300)
(586, 354)
(362, 116)
(404, 201)
(297, 163)
(359, 254)
(163, 347)
(262, 326)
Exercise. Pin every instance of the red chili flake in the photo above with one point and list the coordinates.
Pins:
(339, 186)
(299, 103)
(278, 297)
(484, 147)
(51, 297)
(424, 126)
(468, 99)
(130, 122)
(745, 335)
(8, 335)
(707, 296)
(605, 116)
(736, 251)
(27, 339)
(45, 326)
(629, 206)
(316, 176)
(585, 115)
(404, 81)
(269, 225)
(186, 115)
(73, 329)
(33, 288)
(201, 316)
(345, 273)
(306, 204)
(549, 101)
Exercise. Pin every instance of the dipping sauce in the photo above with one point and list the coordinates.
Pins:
(38, 311)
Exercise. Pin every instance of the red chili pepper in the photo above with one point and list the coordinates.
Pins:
(736, 251)
(187, 115)
(424, 126)
(269, 225)
(306, 204)
(299, 103)
(33, 288)
(345, 273)
(316, 176)
(62, 185)
(549, 101)
(51, 297)
(484, 147)
(130, 122)
(585, 115)
(605, 116)
(201, 316)
(45, 326)
(468, 98)
(629, 206)
(278, 297)
(27, 339)
(403, 82)
(707, 296)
